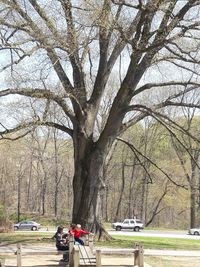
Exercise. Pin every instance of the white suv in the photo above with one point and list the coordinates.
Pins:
(134, 224)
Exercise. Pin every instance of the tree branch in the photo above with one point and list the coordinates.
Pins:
(38, 35)
(171, 83)
(41, 94)
(78, 74)
(36, 123)
(133, 148)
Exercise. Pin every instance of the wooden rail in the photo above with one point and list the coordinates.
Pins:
(21, 253)
(70, 252)
(2, 262)
(81, 255)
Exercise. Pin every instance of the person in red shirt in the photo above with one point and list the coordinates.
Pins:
(77, 233)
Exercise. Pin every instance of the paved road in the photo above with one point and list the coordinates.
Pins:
(156, 233)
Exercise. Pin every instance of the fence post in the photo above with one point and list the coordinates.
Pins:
(19, 255)
(2, 262)
(91, 238)
(87, 240)
(136, 254)
(98, 258)
(141, 257)
(76, 257)
(71, 246)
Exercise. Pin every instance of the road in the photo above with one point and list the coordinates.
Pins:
(156, 233)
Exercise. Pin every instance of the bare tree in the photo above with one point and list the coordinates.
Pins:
(123, 161)
(80, 44)
(193, 151)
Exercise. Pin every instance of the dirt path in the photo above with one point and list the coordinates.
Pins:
(53, 260)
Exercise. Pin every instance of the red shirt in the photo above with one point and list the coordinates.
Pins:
(71, 231)
(78, 234)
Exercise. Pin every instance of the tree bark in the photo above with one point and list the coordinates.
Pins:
(86, 181)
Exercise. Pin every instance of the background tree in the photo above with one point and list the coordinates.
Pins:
(80, 45)
(189, 160)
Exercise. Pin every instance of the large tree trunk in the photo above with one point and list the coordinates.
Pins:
(86, 183)
(89, 161)
(90, 158)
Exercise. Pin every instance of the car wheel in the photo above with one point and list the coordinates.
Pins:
(118, 228)
(16, 228)
(34, 228)
(196, 233)
(137, 229)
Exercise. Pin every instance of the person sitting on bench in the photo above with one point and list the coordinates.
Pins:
(62, 242)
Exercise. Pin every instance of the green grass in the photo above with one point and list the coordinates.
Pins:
(152, 243)
(25, 237)
(118, 242)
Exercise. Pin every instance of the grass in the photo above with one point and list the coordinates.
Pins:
(152, 243)
(118, 242)
(25, 237)
(172, 261)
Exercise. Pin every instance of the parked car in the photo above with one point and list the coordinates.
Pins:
(134, 224)
(194, 231)
(27, 225)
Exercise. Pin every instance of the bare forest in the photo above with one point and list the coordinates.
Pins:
(37, 172)
(99, 110)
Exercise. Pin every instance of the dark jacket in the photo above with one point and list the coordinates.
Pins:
(61, 242)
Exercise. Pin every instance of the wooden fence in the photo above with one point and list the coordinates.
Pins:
(81, 255)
